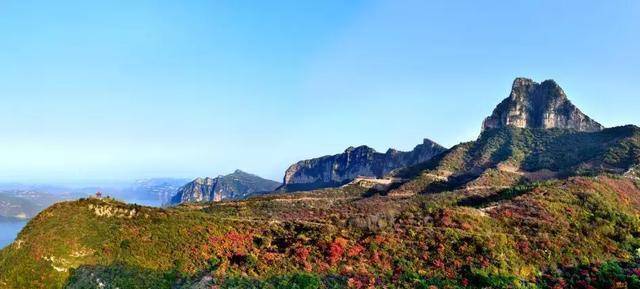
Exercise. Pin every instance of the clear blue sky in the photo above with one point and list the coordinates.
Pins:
(132, 89)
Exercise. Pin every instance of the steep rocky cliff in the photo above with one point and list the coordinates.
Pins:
(364, 161)
(539, 105)
(237, 185)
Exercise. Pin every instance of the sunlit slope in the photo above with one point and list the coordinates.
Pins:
(334, 237)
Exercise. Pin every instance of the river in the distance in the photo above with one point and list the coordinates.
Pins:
(10, 229)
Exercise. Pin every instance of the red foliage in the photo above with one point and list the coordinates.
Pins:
(466, 226)
(443, 218)
(231, 243)
(336, 250)
(507, 213)
(465, 282)
(302, 253)
(367, 281)
(438, 264)
(379, 240)
(626, 190)
(484, 262)
(355, 250)
(375, 258)
(270, 257)
(457, 263)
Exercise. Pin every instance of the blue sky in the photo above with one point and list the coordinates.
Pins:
(133, 89)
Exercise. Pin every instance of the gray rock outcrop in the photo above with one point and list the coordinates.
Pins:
(362, 161)
(237, 185)
(539, 105)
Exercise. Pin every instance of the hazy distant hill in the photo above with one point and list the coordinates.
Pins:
(161, 189)
(24, 204)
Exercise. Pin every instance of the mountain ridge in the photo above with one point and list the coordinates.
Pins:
(361, 161)
(237, 185)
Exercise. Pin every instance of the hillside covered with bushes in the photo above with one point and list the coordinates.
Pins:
(528, 235)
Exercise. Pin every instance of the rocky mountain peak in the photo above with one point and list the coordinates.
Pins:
(539, 105)
(239, 172)
(522, 82)
(429, 143)
(361, 161)
(237, 185)
(392, 151)
(359, 149)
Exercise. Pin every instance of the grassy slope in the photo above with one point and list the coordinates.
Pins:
(518, 233)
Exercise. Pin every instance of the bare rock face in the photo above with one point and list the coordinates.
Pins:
(539, 105)
(362, 161)
(237, 185)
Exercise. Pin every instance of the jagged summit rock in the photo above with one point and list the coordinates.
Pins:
(237, 185)
(539, 105)
(361, 161)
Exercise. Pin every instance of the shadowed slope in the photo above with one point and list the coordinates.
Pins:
(508, 156)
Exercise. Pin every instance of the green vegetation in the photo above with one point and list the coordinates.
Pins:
(485, 226)
(512, 156)
(117, 276)
(598, 276)
(333, 238)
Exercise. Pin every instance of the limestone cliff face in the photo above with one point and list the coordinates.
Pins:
(539, 105)
(237, 185)
(355, 162)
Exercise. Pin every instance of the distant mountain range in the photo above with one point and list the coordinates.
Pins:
(530, 105)
(22, 205)
(161, 189)
(24, 201)
(323, 172)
